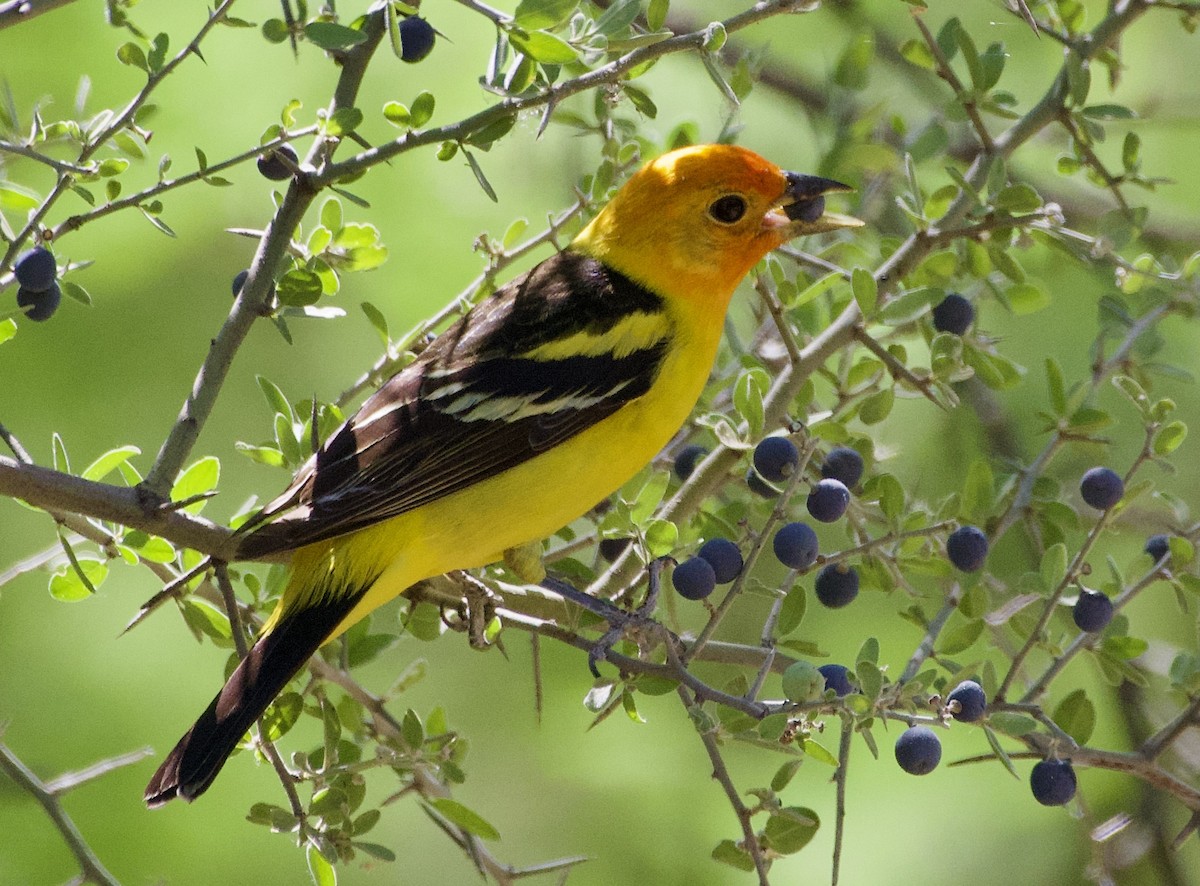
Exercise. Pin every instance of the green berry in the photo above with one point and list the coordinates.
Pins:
(803, 681)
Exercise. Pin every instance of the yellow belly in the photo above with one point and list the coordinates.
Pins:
(533, 500)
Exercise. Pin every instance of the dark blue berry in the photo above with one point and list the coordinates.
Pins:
(694, 579)
(1053, 782)
(806, 210)
(1158, 546)
(795, 545)
(1093, 611)
(836, 585)
(239, 281)
(918, 750)
(416, 39)
(843, 463)
(837, 678)
(39, 306)
(953, 314)
(972, 701)
(272, 167)
(759, 486)
(686, 460)
(1101, 488)
(828, 500)
(776, 458)
(724, 557)
(967, 548)
(35, 270)
(612, 548)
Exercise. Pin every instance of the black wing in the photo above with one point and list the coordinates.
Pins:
(472, 406)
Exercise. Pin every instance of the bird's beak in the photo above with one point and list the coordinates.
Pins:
(801, 209)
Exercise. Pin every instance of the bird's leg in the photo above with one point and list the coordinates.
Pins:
(619, 620)
(481, 611)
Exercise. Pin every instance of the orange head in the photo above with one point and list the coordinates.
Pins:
(693, 222)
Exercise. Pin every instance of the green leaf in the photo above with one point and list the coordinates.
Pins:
(656, 13)
(1169, 438)
(67, 585)
(378, 321)
(1108, 112)
(791, 829)
(1057, 386)
(1025, 298)
(908, 306)
(534, 15)
(978, 491)
(1054, 566)
(131, 54)
(330, 36)
(108, 462)
(1076, 716)
(866, 290)
(480, 177)
(877, 407)
(282, 715)
(17, 198)
(421, 110)
(916, 52)
(791, 613)
(465, 818)
(752, 385)
(961, 638)
(543, 47)
(319, 868)
(276, 399)
(343, 121)
(205, 619)
(7, 330)
(1018, 198)
(200, 477)
(618, 17)
(728, 852)
(1012, 724)
(661, 537)
(299, 287)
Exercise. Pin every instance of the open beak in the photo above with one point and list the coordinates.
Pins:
(803, 203)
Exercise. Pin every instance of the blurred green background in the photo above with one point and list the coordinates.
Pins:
(636, 799)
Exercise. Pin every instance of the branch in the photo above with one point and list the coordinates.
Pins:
(58, 492)
(14, 12)
(93, 870)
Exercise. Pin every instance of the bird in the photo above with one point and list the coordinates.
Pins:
(543, 399)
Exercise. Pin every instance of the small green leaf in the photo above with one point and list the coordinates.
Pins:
(319, 868)
(533, 15)
(728, 852)
(961, 638)
(131, 54)
(866, 290)
(791, 829)
(200, 477)
(330, 36)
(282, 715)
(543, 47)
(67, 585)
(343, 121)
(108, 462)
(1025, 298)
(1012, 724)
(421, 110)
(299, 287)
(1076, 716)
(791, 613)
(480, 177)
(1169, 438)
(465, 818)
(1054, 566)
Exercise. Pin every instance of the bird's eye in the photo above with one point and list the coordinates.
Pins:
(728, 209)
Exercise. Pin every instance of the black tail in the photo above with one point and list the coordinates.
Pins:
(193, 764)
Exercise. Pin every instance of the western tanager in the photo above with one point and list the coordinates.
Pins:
(541, 401)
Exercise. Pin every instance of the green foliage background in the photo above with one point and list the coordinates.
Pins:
(637, 799)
